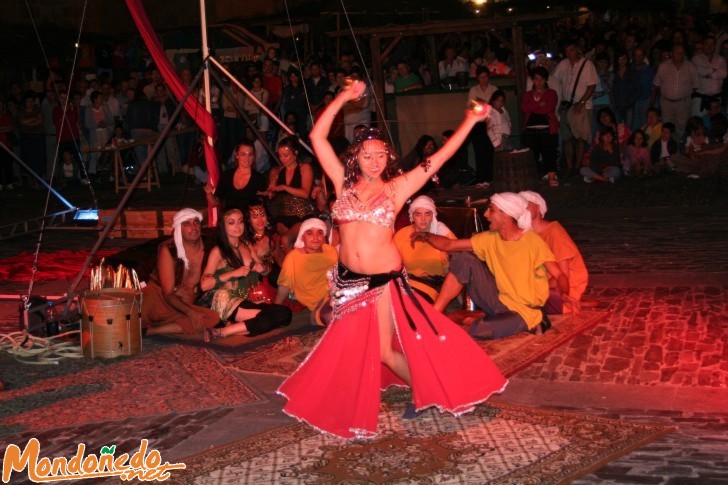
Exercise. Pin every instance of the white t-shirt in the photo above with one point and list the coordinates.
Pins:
(500, 126)
(566, 75)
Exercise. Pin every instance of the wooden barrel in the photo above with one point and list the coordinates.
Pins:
(514, 171)
(111, 322)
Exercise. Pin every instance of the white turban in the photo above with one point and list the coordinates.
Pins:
(426, 203)
(515, 206)
(536, 198)
(177, 220)
(312, 223)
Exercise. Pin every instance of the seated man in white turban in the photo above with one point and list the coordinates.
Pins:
(567, 256)
(304, 270)
(508, 279)
(168, 301)
(425, 265)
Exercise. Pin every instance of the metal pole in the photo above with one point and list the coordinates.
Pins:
(205, 56)
(257, 101)
(139, 176)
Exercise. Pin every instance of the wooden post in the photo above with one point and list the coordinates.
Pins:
(432, 60)
(377, 79)
(519, 54)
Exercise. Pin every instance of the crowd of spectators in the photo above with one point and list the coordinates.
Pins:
(629, 76)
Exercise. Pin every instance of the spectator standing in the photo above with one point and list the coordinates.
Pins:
(578, 80)
(31, 133)
(541, 133)
(712, 72)
(316, 86)
(644, 74)
(625, 90)
(482, 146)
(676, 80)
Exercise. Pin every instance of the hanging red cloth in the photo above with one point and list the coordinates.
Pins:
(192, 105)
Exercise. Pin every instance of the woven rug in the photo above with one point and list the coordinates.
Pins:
(499, 443)
(510, 354)
(156, 382)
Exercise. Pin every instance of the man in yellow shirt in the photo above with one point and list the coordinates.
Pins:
(512, 286)
(567, 256)
(425, 265)
(304, 269)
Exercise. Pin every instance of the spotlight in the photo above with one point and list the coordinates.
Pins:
(86, 217)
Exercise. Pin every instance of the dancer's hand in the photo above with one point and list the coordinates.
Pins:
(419, 236)
(354, 90)
(478, 110)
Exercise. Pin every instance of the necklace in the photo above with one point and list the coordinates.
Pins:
(258, 236)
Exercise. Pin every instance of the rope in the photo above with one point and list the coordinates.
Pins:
(300, 64)
(39, 243)
(41, 351)
(366, 72)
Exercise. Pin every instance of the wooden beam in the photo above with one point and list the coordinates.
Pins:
(450, 26)
(501, 38)
(388, 49)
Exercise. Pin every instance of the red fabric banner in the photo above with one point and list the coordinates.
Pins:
(192, 105)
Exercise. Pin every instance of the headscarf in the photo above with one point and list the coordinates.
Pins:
(536, 198)
(515, 206)
(312, 223)
(424, 202)
(177, 220)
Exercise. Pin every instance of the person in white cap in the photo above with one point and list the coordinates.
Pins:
(425, 265)
(567, 256)
(504, 271)
(168, 299)
(303, 273)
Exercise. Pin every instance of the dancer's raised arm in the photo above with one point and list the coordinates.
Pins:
(415, 179)
(320, 132)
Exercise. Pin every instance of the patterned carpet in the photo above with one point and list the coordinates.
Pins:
(500, 443)
(510, 354)
(156, 382)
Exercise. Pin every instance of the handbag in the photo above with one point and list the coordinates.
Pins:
(565, 105)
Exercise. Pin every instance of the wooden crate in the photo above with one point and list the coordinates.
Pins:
(167, 217)
(142, 224)
(105, 217)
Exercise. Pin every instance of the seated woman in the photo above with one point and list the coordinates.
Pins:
(425, 265)
(264, 243)
(239, 186)
(289, 188)
(304, 271)
(604, 163)
(231, 271)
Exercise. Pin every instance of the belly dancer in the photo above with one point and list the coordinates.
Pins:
(382, 333)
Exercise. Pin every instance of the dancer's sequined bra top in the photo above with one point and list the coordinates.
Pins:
(379, 210)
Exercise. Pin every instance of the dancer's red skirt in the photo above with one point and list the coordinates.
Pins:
(337, 388)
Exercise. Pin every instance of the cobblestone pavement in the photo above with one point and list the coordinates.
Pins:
(656, 252)
(653, 337)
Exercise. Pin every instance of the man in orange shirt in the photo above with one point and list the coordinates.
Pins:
(567, 255)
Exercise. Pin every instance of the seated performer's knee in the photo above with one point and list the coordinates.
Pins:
(462, 264)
